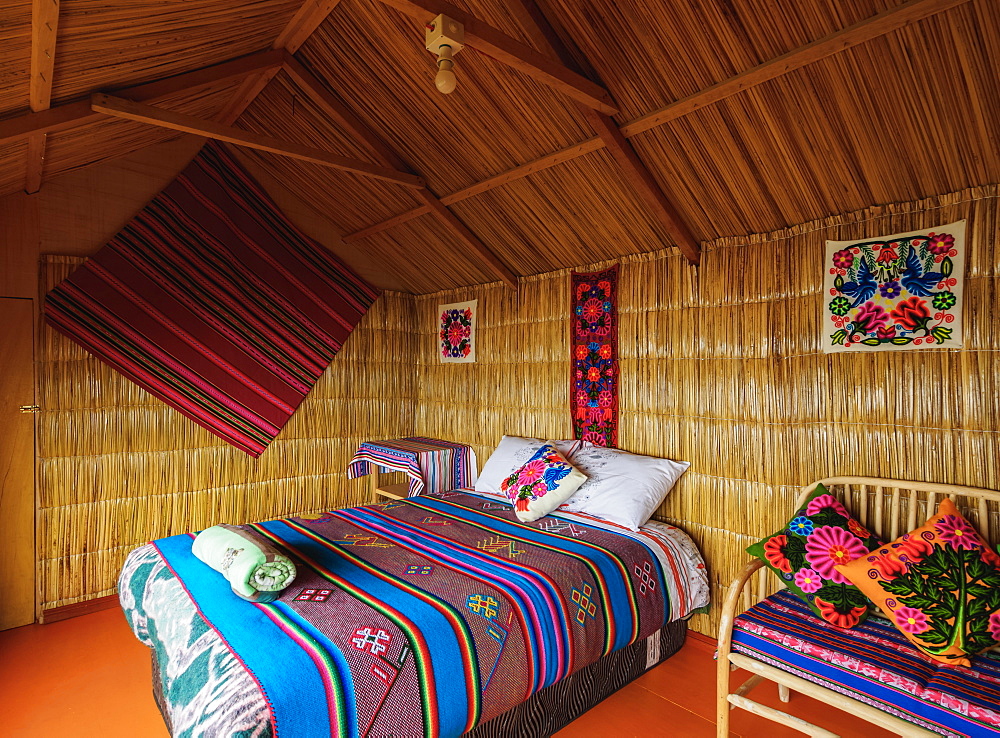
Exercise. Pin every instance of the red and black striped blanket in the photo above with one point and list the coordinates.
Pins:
(212, 301)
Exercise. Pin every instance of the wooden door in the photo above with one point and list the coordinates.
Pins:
(17, 465)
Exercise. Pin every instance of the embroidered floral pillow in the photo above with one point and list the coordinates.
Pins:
(544, 482)
(939, 584)
(803, 553)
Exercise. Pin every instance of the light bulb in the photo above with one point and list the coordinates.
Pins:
(445, 79)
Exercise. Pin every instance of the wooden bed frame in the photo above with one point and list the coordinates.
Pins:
(887, 507)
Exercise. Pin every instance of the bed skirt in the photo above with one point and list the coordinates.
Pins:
(556, 706)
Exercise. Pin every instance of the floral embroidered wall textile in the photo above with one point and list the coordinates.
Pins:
(457, 332)
(902, 291)
(594, 343)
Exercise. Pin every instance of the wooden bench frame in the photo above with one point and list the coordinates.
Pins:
(881, 505)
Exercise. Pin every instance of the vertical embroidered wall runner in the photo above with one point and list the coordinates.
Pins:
(594, 342)
(212, 301)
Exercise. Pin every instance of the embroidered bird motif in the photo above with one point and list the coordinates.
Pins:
(915, 280)
(862, 289)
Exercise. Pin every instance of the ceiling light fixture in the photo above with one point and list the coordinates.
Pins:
(445, 37)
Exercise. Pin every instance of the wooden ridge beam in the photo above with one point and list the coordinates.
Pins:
(295, 33)
(130, 110)
(302, 25)
(866, 30)
(44, 26)
(636, 172)
(881, 24)
(80, 112)
(335, 108)
(513, 53)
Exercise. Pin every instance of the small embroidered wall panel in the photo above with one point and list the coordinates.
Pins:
(457, 332)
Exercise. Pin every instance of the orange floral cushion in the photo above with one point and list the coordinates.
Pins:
(939, 584)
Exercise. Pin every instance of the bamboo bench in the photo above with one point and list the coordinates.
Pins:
(888, 508)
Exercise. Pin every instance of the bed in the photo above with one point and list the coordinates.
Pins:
(434, 615)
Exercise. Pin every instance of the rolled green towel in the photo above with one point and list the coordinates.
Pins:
(256, 570)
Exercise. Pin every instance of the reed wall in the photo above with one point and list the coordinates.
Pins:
(117, 468)
(721, 366)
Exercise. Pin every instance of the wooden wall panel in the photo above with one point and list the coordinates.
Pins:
(721, 367)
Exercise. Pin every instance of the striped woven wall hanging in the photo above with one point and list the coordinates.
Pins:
(594, 343)
(212, 301)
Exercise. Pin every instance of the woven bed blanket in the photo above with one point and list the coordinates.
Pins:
(424, 616)
(212, 301)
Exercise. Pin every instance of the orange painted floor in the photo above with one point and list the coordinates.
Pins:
(89, 677)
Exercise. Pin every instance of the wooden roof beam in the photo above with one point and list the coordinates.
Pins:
(295, 33)
(513, 53)
(336, 109)
(636, 172)
(79, 112)
(866, 30)
(129, 110)
(885, 22)
(44, 25)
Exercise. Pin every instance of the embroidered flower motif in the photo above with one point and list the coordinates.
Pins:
(910, 620)
(531, 471)
(870, 317)
(775, 554)
(840, 305)
(890, 290)
(944, 300)
(824, 501)
(889, 567)
(605, 351)
(801, 525)
(808, 580)
(911, 314)
(592, 310)
(840, 619)
(914, 548)
(857, 529)
(887, 255)
(940, 243)
(994, 625)
(956, 531)
(830, 545)
(843, 259)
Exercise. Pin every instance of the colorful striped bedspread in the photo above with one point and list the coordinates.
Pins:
(416, 617)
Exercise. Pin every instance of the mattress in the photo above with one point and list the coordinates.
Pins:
(873, 663)
(425, 616)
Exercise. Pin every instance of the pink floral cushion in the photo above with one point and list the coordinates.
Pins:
(805, 551)
(545, 481)
(939, 584)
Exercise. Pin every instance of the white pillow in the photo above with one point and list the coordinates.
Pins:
(622, 487)
(512, 453)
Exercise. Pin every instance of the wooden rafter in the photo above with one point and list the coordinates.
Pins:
(513, 53)
(866, 30)
(44, 26)
(295, 33)
(636, 172)
(538, 165)
(337, 110)
(130, 110)
(79, 112)
(878, 25)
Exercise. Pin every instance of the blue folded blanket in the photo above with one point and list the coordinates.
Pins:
(255, 570)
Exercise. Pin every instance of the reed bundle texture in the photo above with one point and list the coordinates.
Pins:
(722, 367)
(117, 468)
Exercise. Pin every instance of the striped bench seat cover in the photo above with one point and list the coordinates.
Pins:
(872, 663)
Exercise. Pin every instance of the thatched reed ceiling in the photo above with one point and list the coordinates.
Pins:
(906, 113)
